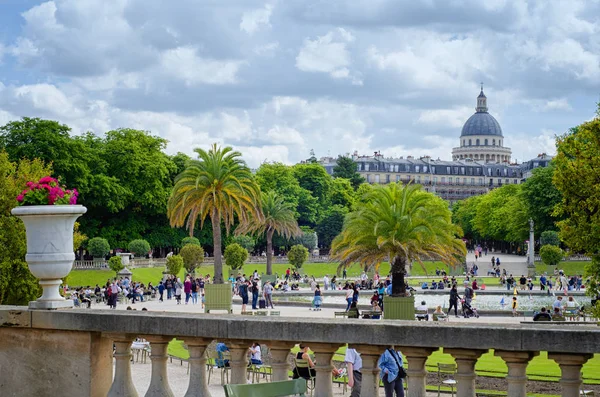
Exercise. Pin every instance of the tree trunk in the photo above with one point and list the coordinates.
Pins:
(216, 228)
(270, 233)
(398, 268)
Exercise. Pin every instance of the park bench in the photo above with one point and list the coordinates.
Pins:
(340, 314)
(571, 313)
(271, 389)
(440, 317)
(370, 314)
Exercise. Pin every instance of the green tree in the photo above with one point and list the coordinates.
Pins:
(342, 193)
(576, 176)
(193, 256)
(245, 241)
(235, 256)
(346, 168)
(501, 215)
(463, 215)
(541, 197)
(402, 225)
(551, 254)
(277, 216)
(297, 255)
(550, 237)
(17, 285)
(78, 237)
(190, 240)
(174, 264)
(139, 247)
(98, 247)
(331, 225)
(115, 264)
(315, 179)
(219, 186)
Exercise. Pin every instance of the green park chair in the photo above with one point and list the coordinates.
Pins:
(272, 389)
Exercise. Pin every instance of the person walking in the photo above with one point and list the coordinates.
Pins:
(349, 293)
(161, 291)
(268, 294)
(194, 291)
(354, 365)
(187, 289)
(454, 300)
(254, 294)
(391, 372)
(169, 286)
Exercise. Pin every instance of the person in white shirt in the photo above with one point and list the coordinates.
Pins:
(423, 307)
(255, 355)
(354, 365)
(326, 282)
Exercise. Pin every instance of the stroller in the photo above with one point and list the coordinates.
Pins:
(468, 310)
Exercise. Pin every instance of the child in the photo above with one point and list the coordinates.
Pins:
(514, 306)
(178, 291)
(203, 300)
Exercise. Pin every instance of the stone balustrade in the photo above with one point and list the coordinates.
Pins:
(70, 352)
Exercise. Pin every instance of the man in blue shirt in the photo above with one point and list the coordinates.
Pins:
(543, 282)
(220, 349)
(391, 372)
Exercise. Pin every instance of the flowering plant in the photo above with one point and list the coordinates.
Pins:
(47, 192)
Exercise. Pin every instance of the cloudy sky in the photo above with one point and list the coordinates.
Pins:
(278, 78)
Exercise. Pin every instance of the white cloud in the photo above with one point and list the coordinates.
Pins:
(327, 54)
(254, 20)
(285, 135)
(268, 49)
(256, 155)
(46, 97)
(453, 117)
(183, 63)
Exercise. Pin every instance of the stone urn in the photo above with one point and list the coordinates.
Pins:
(50, 255)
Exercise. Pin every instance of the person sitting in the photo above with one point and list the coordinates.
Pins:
(310, 373)
(440, 285)
(433, 284)
(543, 315)
(220, 362)
(422, 308)
(424, 286)
(255, 354)
(353, 311)
(439, 314)
(84, 299)
(474, 285)
(557, 315)
(375, 300)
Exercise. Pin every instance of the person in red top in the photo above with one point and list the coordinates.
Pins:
(474, 285)
(187, 288)
(287, 274)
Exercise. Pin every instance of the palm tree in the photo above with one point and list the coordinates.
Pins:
(402, 225)
(278, 216)
(218, 185)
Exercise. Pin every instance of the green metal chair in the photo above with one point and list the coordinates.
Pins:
(273, 389)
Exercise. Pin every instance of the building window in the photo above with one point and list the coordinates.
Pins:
(472, 181)
(448, 170)
(367, 167)
(477, 142)
(464, 181)
(432, 169)
(462, 170)
(493, 142)
(376, 178)
(470, 142)
(418, 179)
(424, 168)
(435, 179)
(368, 178)
(515, 181)
(397, 178)
(480, 181)
(486, 142)
(507, 181)
(417, 168)
(463, 142)
(450, 180)
(427, 180)
(358, 166)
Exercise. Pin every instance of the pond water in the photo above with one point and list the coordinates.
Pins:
(481, 302)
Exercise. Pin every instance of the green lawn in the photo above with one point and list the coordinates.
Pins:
(570, 267)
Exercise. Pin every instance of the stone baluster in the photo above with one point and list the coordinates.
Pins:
(370, 371)
(323, 355)
(279, 359)
(122, 385)
(239, 360)
(465, 374)
(517, 370)
(159, 383)
(570, 369)
(198, 386)
(416, 372)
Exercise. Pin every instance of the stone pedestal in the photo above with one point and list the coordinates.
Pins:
(198, 386)
(416, 372)
(517, 370)
(279, 360)
(323, 355)
(159, 383)
(370, 371)
(238, 361)
(570, 368)
(122, 385)
(465, 374)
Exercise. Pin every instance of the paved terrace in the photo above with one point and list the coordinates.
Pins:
(69, 352)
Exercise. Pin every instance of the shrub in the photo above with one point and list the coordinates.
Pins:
(550, 237)
(190, 240)
(192, 255)
(174, 264)
(116, 264)
(235, 256)
(139, 247)
(245, 241)
(98, 247)
(551, 254)
(297, 255)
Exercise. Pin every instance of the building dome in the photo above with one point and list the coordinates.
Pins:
(481, 123)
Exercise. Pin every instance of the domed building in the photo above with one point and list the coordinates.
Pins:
(481, 138)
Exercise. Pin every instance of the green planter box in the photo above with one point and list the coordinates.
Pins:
(218, 297)
(399, 308)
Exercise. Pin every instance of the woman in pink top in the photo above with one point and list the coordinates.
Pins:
(187, 288)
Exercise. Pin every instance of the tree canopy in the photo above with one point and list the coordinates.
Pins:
(348, 169)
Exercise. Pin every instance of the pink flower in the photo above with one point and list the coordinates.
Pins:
(29, 184)
(47, 179)
(20, 198)
(73, 199)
